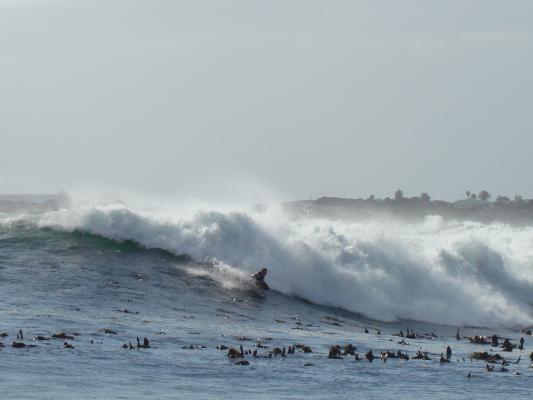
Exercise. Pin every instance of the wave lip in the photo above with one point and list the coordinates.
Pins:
(454, 273)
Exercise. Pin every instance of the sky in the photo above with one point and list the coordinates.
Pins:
(266, 99)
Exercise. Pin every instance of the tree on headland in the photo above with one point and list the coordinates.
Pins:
(502, 199)
(371, 197)
(473, 196)
(425, 197)
(518, 199)
(484, 195)
(468, 193)
(398, 195)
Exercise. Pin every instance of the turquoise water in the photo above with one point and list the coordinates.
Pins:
(81, 284)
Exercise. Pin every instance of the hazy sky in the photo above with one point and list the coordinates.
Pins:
(297, 98)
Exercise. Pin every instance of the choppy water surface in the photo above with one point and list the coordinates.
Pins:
(79, 271)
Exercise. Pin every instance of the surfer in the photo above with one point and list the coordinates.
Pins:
(448, 352)
(259, 278)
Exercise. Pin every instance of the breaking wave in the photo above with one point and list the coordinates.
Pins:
(456, 273)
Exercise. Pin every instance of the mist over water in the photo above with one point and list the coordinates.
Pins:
(445, 272)
(386, 147)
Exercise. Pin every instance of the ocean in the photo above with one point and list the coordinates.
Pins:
(100, 276)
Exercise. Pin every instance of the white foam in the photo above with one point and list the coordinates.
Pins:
(227, 276)
(459, 273)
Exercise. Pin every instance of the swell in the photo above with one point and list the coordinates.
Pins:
(23, 234)
(457, 273)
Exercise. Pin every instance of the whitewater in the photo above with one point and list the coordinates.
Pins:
(456, 273)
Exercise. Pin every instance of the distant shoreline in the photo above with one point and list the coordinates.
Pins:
(504, 210)
(13, 203)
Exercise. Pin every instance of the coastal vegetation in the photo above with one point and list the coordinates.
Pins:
(475, 206)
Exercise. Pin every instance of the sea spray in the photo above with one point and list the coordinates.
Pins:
(458, 273)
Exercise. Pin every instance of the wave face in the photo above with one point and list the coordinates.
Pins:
(456, 273)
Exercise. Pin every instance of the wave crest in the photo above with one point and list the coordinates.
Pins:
(457, 273)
